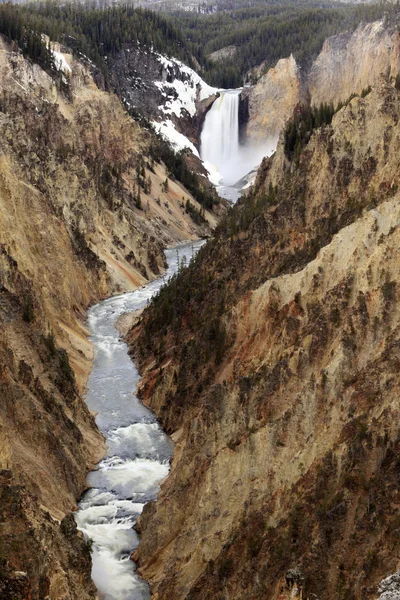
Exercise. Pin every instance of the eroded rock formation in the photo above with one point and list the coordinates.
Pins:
(347, 64)
(350, 62)
(272, 99)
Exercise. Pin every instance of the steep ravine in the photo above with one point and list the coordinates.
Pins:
(138, 451)
(274, 365)
(273, 361)
(72, 233)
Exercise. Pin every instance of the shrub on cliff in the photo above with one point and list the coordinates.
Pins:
(299, 129)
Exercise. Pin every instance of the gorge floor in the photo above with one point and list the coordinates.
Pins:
(138, 451)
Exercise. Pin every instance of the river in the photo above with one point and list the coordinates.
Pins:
(138, 451)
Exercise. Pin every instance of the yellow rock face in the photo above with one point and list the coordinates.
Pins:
(71, 234)
(347, 64)
(272, 100)
(294, 435)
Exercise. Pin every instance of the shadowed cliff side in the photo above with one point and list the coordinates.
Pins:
(282, 392)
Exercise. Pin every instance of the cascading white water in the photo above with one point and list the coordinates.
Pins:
(220, 145)
(220, 135)
(138, 452)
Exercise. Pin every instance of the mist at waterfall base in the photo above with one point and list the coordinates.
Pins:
(220, 141)
(138, 451)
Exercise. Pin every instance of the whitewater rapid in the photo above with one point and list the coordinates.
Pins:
(138, 453)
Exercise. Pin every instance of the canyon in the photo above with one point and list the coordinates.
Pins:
(282, 393)
(271, 361)
(84, 213)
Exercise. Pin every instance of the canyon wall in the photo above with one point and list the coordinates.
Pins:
(350, 62)
(282, 396)
(347, 64)
(272, 100)
(84, 213)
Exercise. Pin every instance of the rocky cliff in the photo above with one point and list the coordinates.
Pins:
(85, 211)
(272, 100)
(282, 396)
(347, 64)
(161, 89)
(350, 62)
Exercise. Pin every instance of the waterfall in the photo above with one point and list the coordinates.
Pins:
(220, 149)
(220, 136)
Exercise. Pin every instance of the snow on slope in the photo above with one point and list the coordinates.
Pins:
(180, 142)
(182, 93)
(177, 140)
(60, 62)
(181, 96)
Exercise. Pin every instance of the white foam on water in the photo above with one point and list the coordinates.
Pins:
(139, 438)
(94, 515)
(138, 450)
(137, 479)
(124, 583)
(221, 150)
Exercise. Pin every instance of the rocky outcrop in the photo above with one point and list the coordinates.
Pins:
(272, 100)
(282, 395)
(85, 212)
(350, 62)
(134, 73)
(222, 54)
(390, 587)
(160, 88)
(347, 64)
(41, 557)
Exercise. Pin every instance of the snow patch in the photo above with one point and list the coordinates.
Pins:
(177, 140)
(182, 94)
(214, 176)
(60, 62)
(180, 142)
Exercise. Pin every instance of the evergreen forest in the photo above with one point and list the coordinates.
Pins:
(260, 32)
